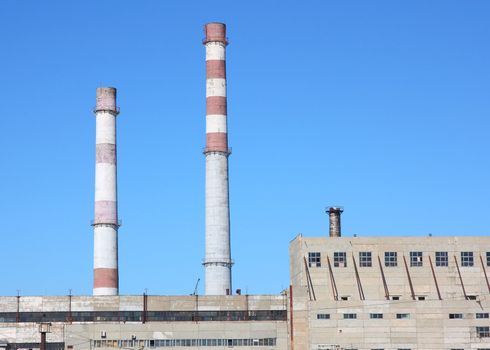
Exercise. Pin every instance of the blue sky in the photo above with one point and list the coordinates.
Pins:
(382, 107)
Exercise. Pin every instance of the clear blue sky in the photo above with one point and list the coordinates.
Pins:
(380, 106)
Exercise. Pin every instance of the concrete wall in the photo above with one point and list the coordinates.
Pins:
(78, 335)
(428, 325)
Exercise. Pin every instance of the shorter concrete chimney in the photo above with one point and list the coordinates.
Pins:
(334, 217)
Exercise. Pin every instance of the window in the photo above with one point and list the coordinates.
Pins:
(415, 259)
(482, 315)
(441, 259)
(402, 316)
(483, 332)
(375, 315)
(467, 259)
(322, 316)
(471, 297)
(344, 298)
(365, 259)
(391, 259)
(421, 297)
(314, 259)
(395, 297)
(453, 316)
(488, 258)
(350, 316)
(339, 259)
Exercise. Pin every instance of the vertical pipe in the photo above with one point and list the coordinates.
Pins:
(43, 341)
(217, 261)
(334, 219)
(70, 314)
(17, 314)
(291, 319)
(106, 224)
(145, 308)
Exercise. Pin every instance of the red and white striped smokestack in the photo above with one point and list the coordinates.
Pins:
(217, 262)
(106, 224)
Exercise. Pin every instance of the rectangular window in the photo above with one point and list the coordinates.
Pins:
(482, 315)
(391, 259)
(467, 259)
(314, 259)
(350, 316)
(339, 259)
(441, 259)
(365, 259)
(395, 297)
(375, 315)
(483, 332)
(402, 316)
(415, 259)
(488, 258)
(453, 316)
(323, 316)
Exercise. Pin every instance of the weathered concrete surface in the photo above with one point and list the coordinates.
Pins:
(217, 261)
(106, 275)
(427, 325)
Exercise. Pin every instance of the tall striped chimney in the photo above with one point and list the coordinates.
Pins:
(217, 262)
(106, 224)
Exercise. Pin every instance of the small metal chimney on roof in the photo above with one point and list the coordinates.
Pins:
(334, 218)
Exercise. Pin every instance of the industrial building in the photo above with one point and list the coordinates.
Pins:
(389, 292)
(395, 293)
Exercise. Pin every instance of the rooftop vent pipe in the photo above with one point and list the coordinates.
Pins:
(334, 218)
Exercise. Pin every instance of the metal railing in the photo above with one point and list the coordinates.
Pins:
(118, 223)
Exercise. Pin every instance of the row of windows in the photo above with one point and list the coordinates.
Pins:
(137, 316)
(23, 346)
(158, 343)
(323, 316)
(391, 259)
(477, 315)
(351, 316)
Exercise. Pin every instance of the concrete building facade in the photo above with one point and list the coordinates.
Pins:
(138, 322)
(390, 293)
